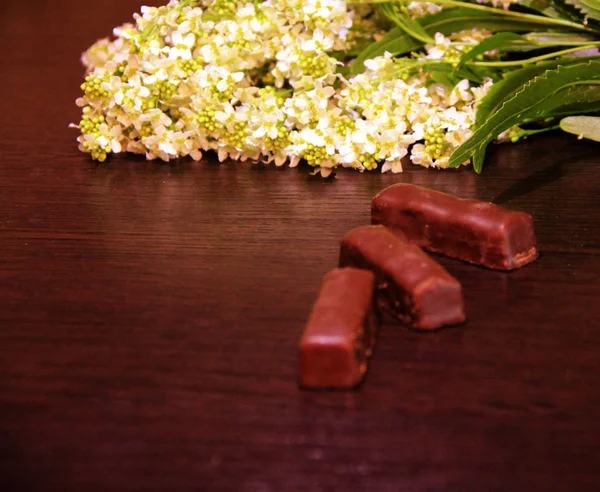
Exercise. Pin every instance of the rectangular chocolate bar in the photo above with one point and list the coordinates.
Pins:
(340, 334)
(410, 285)
(470, 230)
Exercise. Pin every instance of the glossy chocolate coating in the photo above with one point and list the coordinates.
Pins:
(470, 230)
(340, 335)
(410, 285)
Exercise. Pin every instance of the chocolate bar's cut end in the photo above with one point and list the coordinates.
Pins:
(439, 304)
(521, 244)
(340, 334)
(329, 363)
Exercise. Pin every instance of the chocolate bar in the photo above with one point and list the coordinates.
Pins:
(470, 230)
(410, 285)
(340, 335)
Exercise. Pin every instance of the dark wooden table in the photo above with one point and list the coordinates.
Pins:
(149, 314)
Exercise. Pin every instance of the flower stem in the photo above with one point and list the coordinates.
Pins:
(535, 59)
(538, 19)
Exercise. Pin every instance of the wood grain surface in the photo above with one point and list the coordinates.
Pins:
(150, 313)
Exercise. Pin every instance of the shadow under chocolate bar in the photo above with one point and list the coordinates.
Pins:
(469, 230)
(410, 285)
(340, 335)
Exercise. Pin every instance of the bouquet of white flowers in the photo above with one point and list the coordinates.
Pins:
(339, 84)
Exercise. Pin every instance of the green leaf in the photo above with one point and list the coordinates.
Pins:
(537, 5)
(542, 6)
(503, 90)
(576, 108)
(589, 8)
(459, 73)
(440, 77)
(502, 40)
(396, 42)
(448, 21)
(582, 126)
(444, 72)
(545, 94)
(512, 82)
(408, 24)
(567, 11)
(478, 159)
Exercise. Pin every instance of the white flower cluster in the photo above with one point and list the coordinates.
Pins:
(421, 9)
(254, 80)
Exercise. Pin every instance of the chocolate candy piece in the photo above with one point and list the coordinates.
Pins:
(470, 230)
(410, 285)
(340, 334)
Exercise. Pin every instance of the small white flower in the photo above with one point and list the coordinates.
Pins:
(438, 50)
(182, 43)
(394, 165)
